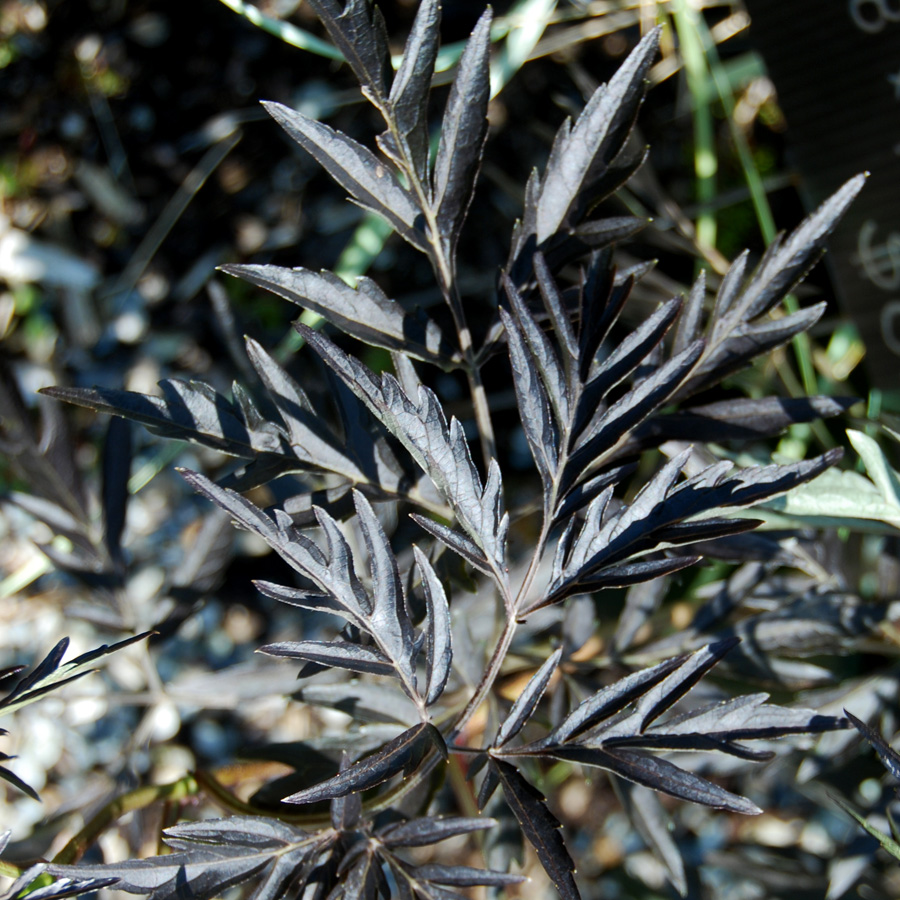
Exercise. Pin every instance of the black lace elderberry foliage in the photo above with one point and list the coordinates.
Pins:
(591, 400)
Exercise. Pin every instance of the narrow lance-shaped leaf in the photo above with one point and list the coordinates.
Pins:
(533, 402)
(339, 654)
(365, 312)
(212, 856)
(792, 259)
(356, 169)
(463, 133)
(11, 778)
(456, 541)
(663, 695)
(116, 471)
(23, 886)
(580, 153)
(611, 700)
(439, 447)
(389, 622)
(527, 701)
(359, 32)
(186, 411)
(553, 375)
(889, 757)
(438, 635)
(403, 754)
(464, 876)
(540, 826)
(426, 831)
(660, 775)
(412, 83)
(52, 673)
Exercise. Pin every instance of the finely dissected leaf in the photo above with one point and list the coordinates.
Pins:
(787, 261)
(656, 518)
(369, 180)
(365, 879)
(187, 411)
(463, 133)
(889, 757)
(615, 728)
(582, 152)
(457, 542)
(52, 673)
(438, 634)
(743, 418)
(382, 614)
(688, 329)
(611, 700)
(359, 32)
(540, 827)
(737, 333)
(527, 701)
(389, 622)
(439, 448)
(214, 855)
(403, 754)
(411, 85)
(366, 312)
(62, 887)
(609, 426)
(674, 686)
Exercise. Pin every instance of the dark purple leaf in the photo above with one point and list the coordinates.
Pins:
(438, 634)
(889, 757)
(526, 702)
(660, 775)
(403, 754)
(365, 312)
(464, 876)
(369, 180)
(359, 32)
(411, 85)
(463, 133)
(540, 826)
(213, 855)
(581, 152)
(426, 831)
(340, 654)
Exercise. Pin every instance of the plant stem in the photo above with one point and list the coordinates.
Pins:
(445, 270)
(487, 679)
(140, 798)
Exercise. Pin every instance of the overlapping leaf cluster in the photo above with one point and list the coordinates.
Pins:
(591, 395)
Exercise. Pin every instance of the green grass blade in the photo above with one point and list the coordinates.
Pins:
(528, 20)
(688, 24)
(284, 31)
(885, 840)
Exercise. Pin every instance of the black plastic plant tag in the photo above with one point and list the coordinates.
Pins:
(837, 72)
